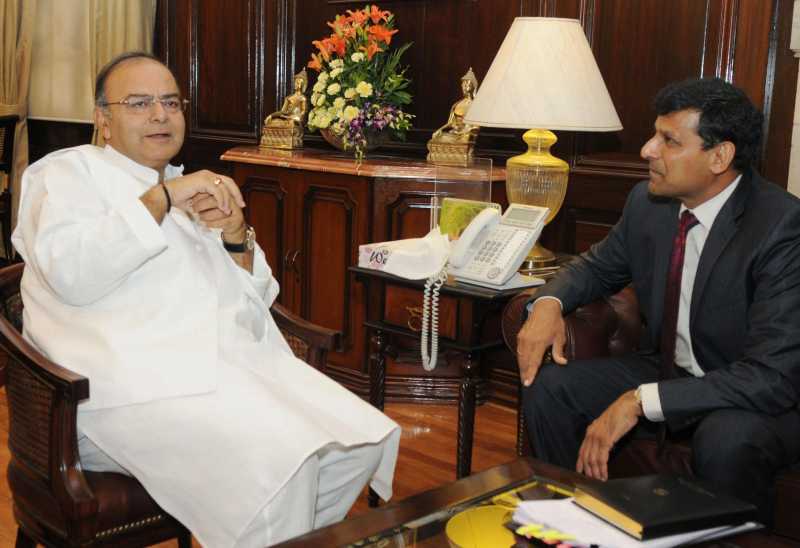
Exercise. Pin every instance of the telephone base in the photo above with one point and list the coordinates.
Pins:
(517, 281)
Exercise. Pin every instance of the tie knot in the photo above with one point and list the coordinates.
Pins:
(688, 220)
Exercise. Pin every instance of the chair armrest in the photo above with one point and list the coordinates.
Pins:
(309, 341)
(605, 327)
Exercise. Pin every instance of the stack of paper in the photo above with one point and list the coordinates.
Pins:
(587, 529)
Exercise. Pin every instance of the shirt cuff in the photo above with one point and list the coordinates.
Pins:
(144, 226)
(651, 402)
(533, 302)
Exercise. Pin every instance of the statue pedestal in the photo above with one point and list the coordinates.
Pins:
(287, 138)
(450, 153)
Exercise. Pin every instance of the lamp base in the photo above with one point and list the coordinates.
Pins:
(539, 258)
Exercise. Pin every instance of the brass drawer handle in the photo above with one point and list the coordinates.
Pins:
(414, 321)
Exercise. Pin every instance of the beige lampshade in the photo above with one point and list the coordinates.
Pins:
(544, 76)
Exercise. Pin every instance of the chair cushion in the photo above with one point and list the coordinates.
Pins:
(123, 504)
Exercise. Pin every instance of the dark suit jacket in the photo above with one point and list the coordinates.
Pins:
(745, 311)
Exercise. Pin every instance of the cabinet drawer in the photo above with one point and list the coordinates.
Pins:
(404, 309)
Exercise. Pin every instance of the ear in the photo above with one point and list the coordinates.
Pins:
(102, 121)
(722, 157)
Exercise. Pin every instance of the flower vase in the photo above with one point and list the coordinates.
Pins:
(374, 139)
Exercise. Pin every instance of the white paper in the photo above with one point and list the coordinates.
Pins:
(587, 528)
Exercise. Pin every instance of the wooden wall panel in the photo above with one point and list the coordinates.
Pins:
(239, 59)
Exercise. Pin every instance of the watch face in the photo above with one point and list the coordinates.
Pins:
(250, 238)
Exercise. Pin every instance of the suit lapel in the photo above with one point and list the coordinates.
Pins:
(723, 229)
(663, 251)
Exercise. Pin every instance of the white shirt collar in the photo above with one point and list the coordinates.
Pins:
(707, 212)
(144, 173)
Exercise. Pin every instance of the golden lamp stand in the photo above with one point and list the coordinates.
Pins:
(538, 178)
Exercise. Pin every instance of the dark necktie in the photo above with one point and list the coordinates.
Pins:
(672, 295)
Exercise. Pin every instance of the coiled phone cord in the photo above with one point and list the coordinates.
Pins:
(430, 313)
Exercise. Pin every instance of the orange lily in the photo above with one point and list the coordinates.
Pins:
(371, 49)
(379, 32)
(339, 44)
(339, 23)
(358, 17)
(377, 15)
(324, 47)
(315, 63)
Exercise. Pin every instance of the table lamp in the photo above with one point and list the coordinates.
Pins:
(543, 77)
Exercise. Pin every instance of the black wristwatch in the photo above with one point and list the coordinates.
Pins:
(248, 244)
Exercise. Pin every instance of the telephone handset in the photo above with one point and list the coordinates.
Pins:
(485, 219)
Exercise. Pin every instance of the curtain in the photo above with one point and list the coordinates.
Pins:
(16, 21)
(119, 26)
(61, 84)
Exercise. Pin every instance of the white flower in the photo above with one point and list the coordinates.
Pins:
(350, 93)
(323, 120)
(333, 89)
(336, 63)
(319, 86)
(357, 57)
(320, 101)
(339, 102)
(336, 72)
(323, 77)
(350, 113)
(364, 89)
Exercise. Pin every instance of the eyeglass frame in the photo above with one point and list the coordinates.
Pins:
(151, 101)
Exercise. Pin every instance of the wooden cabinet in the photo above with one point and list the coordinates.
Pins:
(311, 210)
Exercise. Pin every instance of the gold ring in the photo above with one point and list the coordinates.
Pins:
(217, 181)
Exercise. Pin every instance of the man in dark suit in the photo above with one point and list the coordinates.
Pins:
(713, 253)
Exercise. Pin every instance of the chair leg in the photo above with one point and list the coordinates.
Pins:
(185, 539)
(23, 540)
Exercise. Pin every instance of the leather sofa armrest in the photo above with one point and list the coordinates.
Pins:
(603, 328)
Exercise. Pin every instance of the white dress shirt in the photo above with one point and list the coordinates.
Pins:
(705, 213)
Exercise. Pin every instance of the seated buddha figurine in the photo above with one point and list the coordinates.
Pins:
(454, 141)
(284, 128)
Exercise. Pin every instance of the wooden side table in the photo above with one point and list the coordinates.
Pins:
(468, 327)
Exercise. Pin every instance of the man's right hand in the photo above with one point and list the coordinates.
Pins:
(222, 188)
(544, 329)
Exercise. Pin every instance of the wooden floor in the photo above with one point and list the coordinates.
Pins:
(427, 451)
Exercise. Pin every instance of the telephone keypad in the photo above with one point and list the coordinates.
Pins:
(496, 249)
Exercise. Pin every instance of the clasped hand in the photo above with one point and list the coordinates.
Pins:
(215, 199)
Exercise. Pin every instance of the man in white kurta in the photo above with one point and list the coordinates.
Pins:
(193, 389)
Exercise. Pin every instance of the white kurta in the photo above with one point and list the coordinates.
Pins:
(193, 388)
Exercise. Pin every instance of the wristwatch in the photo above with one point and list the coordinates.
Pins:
(248, 244)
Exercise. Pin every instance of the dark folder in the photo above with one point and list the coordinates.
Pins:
(652, 506)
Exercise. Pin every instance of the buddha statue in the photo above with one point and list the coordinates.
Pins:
(454, 142)
(284, 128)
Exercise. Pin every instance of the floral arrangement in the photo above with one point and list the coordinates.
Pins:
(361, 86)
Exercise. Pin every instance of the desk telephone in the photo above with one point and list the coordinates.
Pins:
(488, 253)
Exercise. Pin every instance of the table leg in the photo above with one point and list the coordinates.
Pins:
(466, 415)
(377, 368)
(377, 385)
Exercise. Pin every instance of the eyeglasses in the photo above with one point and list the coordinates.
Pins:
(141, 104)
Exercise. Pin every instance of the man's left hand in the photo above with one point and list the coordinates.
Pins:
(232, 224)
(616, 421)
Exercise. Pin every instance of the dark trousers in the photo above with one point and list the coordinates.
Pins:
(739, 451)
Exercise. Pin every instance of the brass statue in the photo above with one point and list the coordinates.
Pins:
(454, 142)
(284, 128)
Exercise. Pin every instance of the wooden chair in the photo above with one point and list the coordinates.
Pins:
(7, 126)
(612, 327)
(56, 503)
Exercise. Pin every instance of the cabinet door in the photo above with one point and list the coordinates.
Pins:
(332, 223)
(266, 195)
